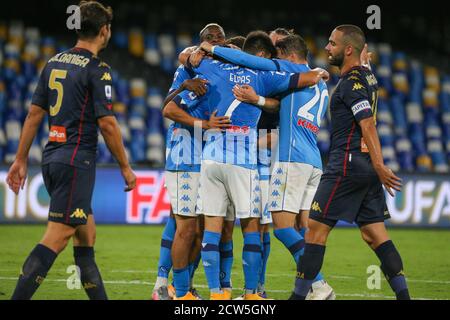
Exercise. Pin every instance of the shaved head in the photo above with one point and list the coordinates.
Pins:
(352, 35)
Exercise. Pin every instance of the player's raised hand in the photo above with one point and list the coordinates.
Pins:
(196, 57)
(197, 85)
(389, 179)
(245, 93)
(129, 177)
(206, 46)
(366, 57)
(216, 122)
(322, 74)
(17, 175)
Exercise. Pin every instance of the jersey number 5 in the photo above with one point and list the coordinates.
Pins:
(304, 111)
(54, 84)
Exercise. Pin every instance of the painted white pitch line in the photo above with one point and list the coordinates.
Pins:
(287, 275)
(147, 283)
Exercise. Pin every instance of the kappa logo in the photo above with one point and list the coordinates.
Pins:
(257, 200)
(79, 214)
(186, 187)
(277, 182)
(186, 210)
(353, 78)
(186, 175)
(256, 211)
(279, 171)
(106, 77)
(185, 198)
(275, 193)
(316, 207)
(357, 86)
(355, 72)
(274, 204)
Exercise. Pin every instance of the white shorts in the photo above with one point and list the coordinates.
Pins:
(182, 187)
(293, 186)
(266, 215)
(225, 187)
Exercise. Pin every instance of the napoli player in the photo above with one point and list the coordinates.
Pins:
(351, 188)
(75, 89)
(230, 175)
(184, 79)
(296, 173)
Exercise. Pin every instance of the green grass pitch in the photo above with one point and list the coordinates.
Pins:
(128, 255)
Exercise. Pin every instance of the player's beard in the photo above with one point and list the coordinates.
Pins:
(337, 60)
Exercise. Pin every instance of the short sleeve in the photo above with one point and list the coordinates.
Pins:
(101, 90)
(40, 96)
(354, 95)
(275, 82)
(186, 100)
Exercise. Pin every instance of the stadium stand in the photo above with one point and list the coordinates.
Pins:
(413, 107)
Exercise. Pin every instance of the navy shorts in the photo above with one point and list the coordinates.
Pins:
(70, 189)
(351, 198)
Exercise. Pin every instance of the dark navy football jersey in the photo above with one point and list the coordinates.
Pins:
(354, 99)
(75, 88)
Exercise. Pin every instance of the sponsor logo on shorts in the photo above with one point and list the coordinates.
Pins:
(57, 134)
(78, 214)
(316, 207)
(56, 215)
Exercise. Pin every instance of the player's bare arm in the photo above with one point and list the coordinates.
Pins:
(198, 86)
(246, 93)
(173, 112)
(17, 174)
(191, 59)
(111, 132)
(387, 177)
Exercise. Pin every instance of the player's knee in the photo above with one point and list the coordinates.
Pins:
(186, 233)
(316, 237)
(367, 238)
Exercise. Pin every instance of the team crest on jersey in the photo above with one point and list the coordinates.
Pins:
(357, 86)
(371, 80)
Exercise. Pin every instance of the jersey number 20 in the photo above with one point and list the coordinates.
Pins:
(304, 110)
(54, 84)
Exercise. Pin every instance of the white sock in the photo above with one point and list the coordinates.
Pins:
(161, 282)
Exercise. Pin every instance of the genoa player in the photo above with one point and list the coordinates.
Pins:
(351, 188)
(75, 90)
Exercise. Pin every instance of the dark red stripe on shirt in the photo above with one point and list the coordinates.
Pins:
(347, 148)
(80, 128)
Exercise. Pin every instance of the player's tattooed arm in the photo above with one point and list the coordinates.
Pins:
(246, 93)
(111, 133)
(17, 174)
(197, 85)
(370, 135)
(175, 113)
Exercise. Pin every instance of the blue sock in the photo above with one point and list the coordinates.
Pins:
(251, 259)
(302, 232)
(265, 256)
(181, 281)
(193, 267)
(165, 259)
(211, 259)
(295, 243)
(226, 263)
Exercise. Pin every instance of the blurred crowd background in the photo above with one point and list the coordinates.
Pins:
(411, 62)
